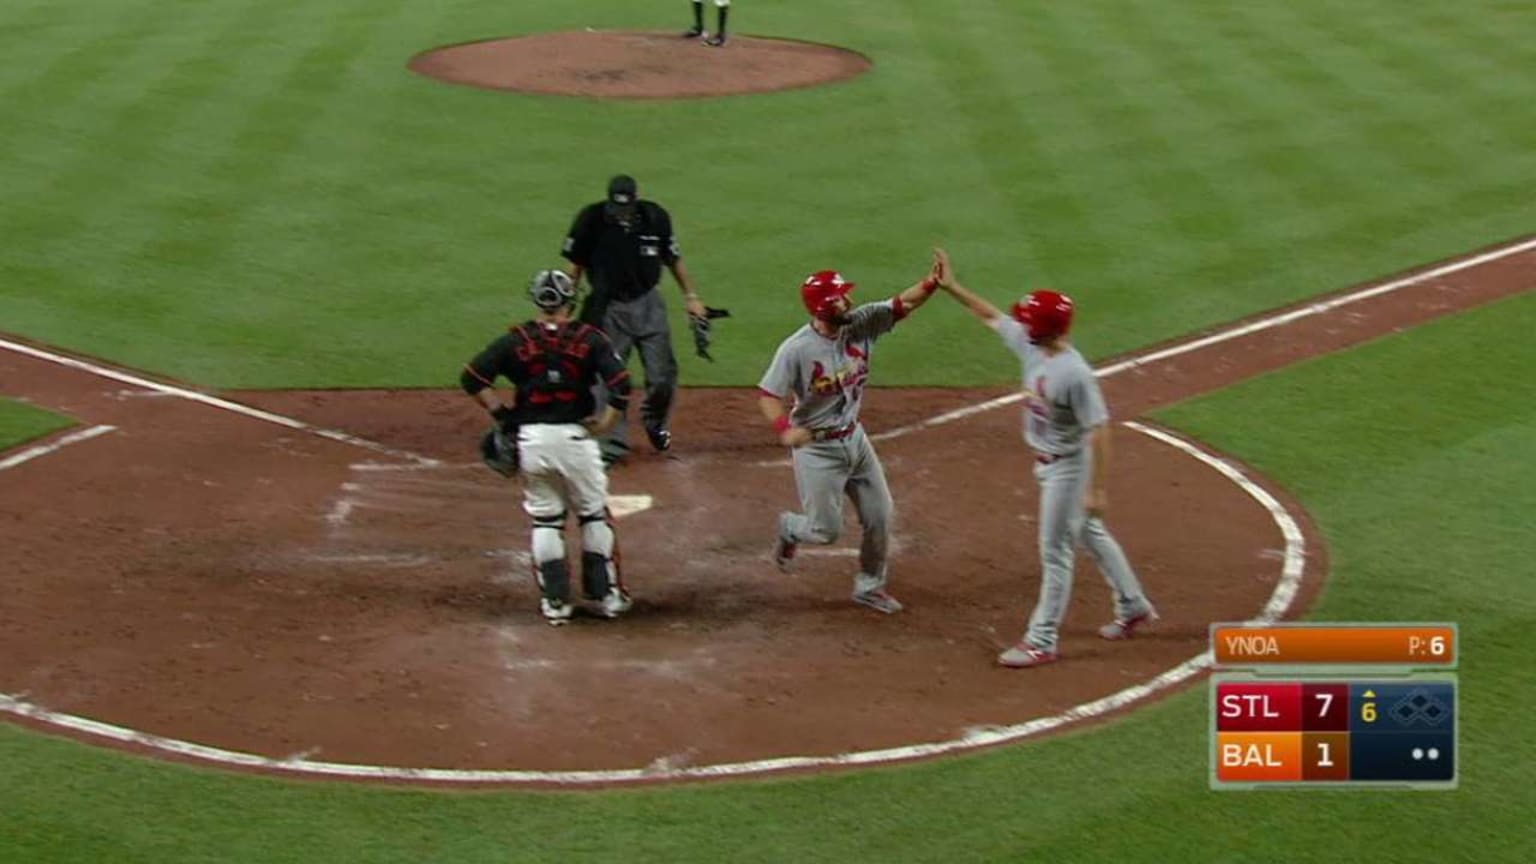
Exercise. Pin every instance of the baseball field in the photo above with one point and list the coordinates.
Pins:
(211, 207)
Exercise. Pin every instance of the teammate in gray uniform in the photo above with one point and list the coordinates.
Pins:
(824, 367)
(1066, 423)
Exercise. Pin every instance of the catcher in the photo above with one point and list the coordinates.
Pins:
(549, 436)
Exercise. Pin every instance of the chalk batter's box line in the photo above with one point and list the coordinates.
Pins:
(1356, 634)
(1314, 675)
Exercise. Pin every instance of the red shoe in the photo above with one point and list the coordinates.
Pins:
(1125, 628)
(1025, 656)
(784, 553)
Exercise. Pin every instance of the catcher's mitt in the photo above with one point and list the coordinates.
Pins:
(498, 449)
(701, 328)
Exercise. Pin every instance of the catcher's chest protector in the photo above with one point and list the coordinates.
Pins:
(554, 362)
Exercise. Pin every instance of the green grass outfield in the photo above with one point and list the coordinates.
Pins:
(257, 194)
(1448, 400)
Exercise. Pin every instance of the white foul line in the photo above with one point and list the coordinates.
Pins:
(1228, 335)
(1284, 593)
(31, 453)
(212, 401)
(1295, 543)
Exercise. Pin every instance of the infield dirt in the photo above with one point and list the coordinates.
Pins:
(209, 577)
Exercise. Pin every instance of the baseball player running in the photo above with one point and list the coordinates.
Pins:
(823, 367)
(553, 363)
(1066, 423)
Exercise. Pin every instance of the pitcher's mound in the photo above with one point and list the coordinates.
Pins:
(630, 65)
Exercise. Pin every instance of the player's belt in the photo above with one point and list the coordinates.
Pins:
(834, 434)
(1048, 458)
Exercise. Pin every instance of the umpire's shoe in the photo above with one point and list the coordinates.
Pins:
(661, 438)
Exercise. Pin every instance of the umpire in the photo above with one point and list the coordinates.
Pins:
(620, 245)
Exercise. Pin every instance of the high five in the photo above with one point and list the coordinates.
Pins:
(1066, 424)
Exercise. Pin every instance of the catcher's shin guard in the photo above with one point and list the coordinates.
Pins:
(550, 568)
(599, 557)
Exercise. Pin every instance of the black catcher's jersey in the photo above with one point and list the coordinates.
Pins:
(553, 367)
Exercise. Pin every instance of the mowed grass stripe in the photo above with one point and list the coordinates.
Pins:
(263, 305)
(1173, 143)
(72, 215)
(87, 49)
(982, 147)
(29, 31)
(182, 235)
(991, 78)
(1473, 73)
(1405, 86)
(140, 127)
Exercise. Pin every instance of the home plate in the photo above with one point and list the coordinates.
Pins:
(628, 505)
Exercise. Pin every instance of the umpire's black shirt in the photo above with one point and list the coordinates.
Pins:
(623, 258)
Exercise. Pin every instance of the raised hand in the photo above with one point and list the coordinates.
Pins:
(943, 271)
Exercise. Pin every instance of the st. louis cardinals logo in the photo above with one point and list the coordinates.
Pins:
(1034, 400)
(850, 377)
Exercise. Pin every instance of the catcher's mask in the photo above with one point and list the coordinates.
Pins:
(820, 291)
(1045, 314)
(552, 290)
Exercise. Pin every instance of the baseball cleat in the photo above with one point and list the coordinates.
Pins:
(557, 613)
(715, 41)
(784, 553)
(1025, 656)
(661, 438)
(693, 32)
(879, 601)
(1124, 628)
(616, 603)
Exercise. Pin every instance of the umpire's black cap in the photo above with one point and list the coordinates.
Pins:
(622, 190)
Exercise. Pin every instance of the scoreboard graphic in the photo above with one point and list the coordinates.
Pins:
(1334, 705)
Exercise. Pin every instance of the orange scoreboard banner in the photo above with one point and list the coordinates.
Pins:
(1335, 644)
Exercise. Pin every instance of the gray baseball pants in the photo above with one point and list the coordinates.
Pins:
(642, 323)
(1064, 524)
(824, 472)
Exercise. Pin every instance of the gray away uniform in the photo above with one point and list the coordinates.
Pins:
(826, 377)
(1064, 403)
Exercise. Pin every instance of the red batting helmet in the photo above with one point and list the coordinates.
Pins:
(1047, 314)
(821, 289)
